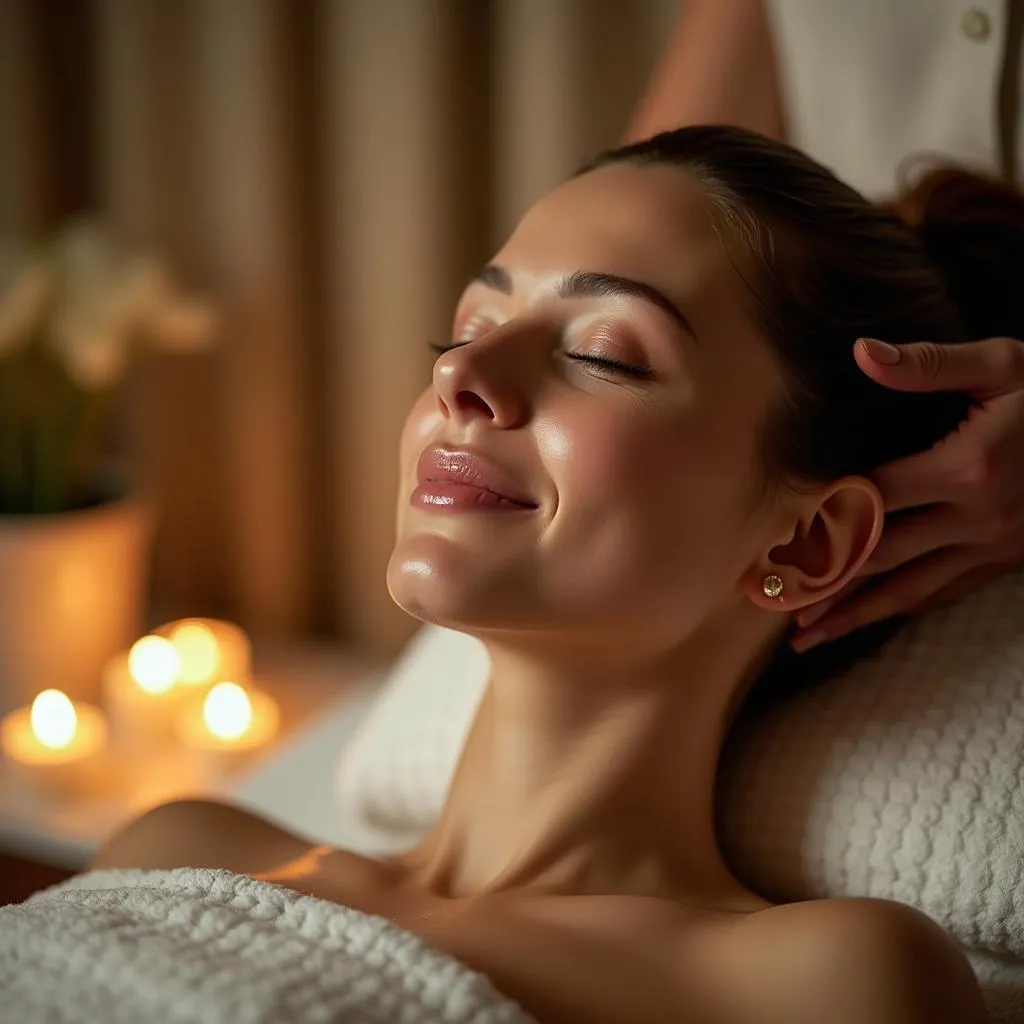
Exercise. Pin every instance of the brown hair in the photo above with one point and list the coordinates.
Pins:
(824, 267)
(972, 228)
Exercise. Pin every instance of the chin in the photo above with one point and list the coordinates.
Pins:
(439, 582)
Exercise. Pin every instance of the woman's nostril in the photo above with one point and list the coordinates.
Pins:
(470, 401)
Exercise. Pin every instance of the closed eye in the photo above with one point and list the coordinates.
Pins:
(612, 365)
(600, 362)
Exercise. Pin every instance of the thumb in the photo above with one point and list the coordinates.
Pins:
(985, 369)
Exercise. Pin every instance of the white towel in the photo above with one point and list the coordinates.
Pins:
(212, 947)
(203, 946)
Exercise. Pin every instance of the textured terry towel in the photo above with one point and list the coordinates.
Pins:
(199, 946)
(212, 947)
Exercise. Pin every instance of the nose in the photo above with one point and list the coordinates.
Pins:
(483, 380)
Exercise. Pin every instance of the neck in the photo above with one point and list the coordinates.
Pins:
(595, 774)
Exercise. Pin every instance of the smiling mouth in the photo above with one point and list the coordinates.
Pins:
(459, 480)
(447, 493)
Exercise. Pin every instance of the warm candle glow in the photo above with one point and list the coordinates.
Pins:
(198, 651)
(53, 719)
(227, 711)
(227, 727)
(209, 651)
(154, 664)
(53, 749)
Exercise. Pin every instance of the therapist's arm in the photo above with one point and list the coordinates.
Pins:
(717, 67)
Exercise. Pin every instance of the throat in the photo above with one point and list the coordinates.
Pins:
(536, 859)
(612, 794)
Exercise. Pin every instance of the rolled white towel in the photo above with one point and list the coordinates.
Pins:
(211, 947)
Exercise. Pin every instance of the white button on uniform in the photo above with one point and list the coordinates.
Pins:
(976, 25)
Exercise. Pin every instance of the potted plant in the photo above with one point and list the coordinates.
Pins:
(75, 312)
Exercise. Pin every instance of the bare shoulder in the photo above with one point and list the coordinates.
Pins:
(198, 833)
(855, 961)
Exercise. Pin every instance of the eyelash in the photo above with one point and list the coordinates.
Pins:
(609, 365)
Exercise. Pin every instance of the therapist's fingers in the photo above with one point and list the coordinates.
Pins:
(930, 477)
(901, 593)
(985, 369)
(937, 526)
(809, 615)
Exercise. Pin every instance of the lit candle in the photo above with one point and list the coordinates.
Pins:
(142, 694)
(53, 748)
(209, 651)
(229, 725)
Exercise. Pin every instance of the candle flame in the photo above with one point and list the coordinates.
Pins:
(227, 711)
(54, 720)
(198, 650)
(154, 664)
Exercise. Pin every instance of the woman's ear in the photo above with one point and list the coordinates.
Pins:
(833, 536)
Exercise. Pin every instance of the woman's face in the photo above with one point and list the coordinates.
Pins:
(585, 457)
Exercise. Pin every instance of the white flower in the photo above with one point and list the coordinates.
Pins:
(183, 326)
(85, 258)
(92, 338)
(141, 289)
(22, 304)
(95, 356)
(100, 302)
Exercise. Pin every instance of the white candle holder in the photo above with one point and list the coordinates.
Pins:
(217, 755)
(140, 719)
(210, 650)
(73, 770)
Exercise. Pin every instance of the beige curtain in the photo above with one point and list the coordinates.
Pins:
(330, 172)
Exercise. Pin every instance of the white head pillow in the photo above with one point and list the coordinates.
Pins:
(902, 779)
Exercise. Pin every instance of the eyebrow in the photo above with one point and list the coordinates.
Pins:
(588, 283)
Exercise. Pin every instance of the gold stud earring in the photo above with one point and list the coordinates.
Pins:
(772, 585)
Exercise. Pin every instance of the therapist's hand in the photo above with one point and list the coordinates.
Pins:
(967, 492)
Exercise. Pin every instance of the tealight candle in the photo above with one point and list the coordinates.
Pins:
(209, 651)
(53, 747)
(142, 694)
(229, 725)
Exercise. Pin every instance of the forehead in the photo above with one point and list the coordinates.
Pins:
(652, 223)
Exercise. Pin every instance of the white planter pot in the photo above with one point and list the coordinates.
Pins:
(73, 589)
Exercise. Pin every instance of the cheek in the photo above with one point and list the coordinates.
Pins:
(646, 501)
(422, 422)
(592, 458)
(640, 462)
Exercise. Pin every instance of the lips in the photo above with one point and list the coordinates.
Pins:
(458, 480)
